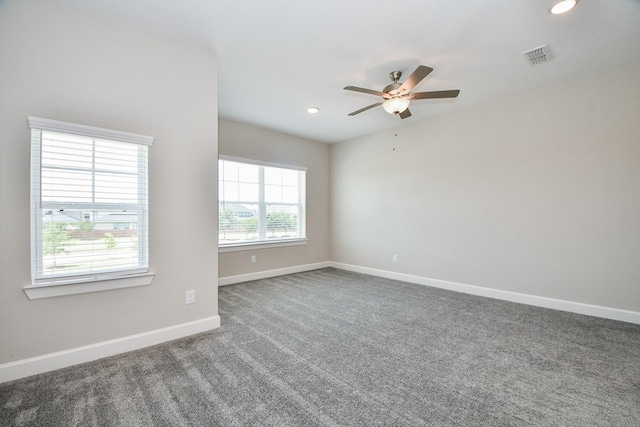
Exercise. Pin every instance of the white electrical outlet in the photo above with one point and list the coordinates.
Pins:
(253, 258)
(191, 297)
(395, 258)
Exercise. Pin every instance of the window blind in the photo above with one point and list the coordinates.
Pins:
(89, 190)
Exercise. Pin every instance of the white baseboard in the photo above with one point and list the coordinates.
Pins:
(538, 301)
(61, 359)
(49, 362)
(229, 280)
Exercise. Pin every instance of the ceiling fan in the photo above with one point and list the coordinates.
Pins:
(397, 97)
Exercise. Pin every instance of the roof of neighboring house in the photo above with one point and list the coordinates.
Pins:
(237, 208)
(59, 216)
(76, 216)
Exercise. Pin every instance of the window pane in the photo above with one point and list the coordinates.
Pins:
(264, 203)
(249, 192)
(229, 171)
(273, 193)
(66, 186)
(116, 156)
(272, 176)
(69, 151)
(248, 173)
(282, 221)
(230, 191)
(116, 188)
(238, 222)
(290, 177)
(290, 194)
(83, 242)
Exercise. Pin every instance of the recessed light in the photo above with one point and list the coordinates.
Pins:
(562, 6)
(313, 110)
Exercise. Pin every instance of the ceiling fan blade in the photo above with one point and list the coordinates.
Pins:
(363, 90)
(406, 113)
(435, 94)
(420, 73)
(366, 108)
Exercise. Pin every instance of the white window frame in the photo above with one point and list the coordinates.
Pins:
(44, 287)
(302, 206)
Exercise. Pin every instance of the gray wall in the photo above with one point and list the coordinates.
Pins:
(62, 64)
(251, 142)
(537, 194)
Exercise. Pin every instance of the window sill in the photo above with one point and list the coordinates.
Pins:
(97, 285)
(261, 245)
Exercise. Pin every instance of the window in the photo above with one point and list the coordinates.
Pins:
(260, 203)
(89, 212)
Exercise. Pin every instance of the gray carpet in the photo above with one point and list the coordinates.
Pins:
(335, 348)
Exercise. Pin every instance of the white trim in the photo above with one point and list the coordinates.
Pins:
(230, 280)
(534, 300)
(261, 245)
(92, 131)
(70, 287)
(62, 359)
(261, 163)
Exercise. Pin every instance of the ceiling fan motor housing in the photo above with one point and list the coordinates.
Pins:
(391, 89)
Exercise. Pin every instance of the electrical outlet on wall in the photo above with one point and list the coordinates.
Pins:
(395, 258)
(253, 258)
(191, 297)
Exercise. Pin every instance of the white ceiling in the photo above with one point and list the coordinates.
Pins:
(278, 57)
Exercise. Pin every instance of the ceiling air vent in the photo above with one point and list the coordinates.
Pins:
(538, 55)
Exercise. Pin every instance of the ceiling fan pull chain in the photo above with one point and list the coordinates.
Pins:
(395, 137)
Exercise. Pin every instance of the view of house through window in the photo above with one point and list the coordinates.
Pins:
(260, 202)
(89, 200)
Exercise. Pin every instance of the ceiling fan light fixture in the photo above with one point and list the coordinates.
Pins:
(395, 105)
(562, 6)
